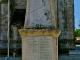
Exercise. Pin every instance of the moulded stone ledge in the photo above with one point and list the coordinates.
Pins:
(39, 32)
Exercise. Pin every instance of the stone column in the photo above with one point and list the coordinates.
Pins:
(14, 33)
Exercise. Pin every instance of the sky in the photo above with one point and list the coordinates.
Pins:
(77, 13)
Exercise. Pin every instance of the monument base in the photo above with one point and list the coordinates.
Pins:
(39, 44)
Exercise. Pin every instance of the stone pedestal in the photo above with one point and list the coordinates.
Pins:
(39, 44)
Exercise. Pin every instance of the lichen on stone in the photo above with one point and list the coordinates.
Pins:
(47, 13)
(43, 2)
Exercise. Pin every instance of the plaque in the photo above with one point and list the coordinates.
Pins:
(39, 48)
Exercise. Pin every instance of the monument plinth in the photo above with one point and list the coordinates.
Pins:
(39, 44)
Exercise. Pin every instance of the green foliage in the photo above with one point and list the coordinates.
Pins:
(4, 1)
(79, 24)
(77, 32)
(63, 50)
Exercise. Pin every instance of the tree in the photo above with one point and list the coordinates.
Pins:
(4, 1)
(79, 24)
(77, 32)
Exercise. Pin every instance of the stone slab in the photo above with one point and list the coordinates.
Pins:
(40, 47)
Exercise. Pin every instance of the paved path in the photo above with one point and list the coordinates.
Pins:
(61, 57)
(11, 58)
(67, 57)
(76, 51)
(77, 47)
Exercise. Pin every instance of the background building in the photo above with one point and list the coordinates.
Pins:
(64, 15)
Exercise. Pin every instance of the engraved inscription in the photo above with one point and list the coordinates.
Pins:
(31, 49)
(46, 48)
(39, 48)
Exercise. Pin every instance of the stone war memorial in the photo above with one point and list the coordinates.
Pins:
(40, 34)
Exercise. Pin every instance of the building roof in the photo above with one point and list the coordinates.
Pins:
(78, 38)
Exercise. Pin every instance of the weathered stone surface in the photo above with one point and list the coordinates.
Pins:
(4, 22)
(70, 18)
(20, 4)
(14, 33)
(40, 12)
(66, 21)
(66, 18)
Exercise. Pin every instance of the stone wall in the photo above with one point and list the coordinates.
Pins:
(4, 29)
(66, 22)
(4, 22)
(20, 4)
(64, 19)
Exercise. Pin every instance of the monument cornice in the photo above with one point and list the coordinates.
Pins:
(39, 32)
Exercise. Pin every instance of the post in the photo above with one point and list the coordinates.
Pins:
(8, 25)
